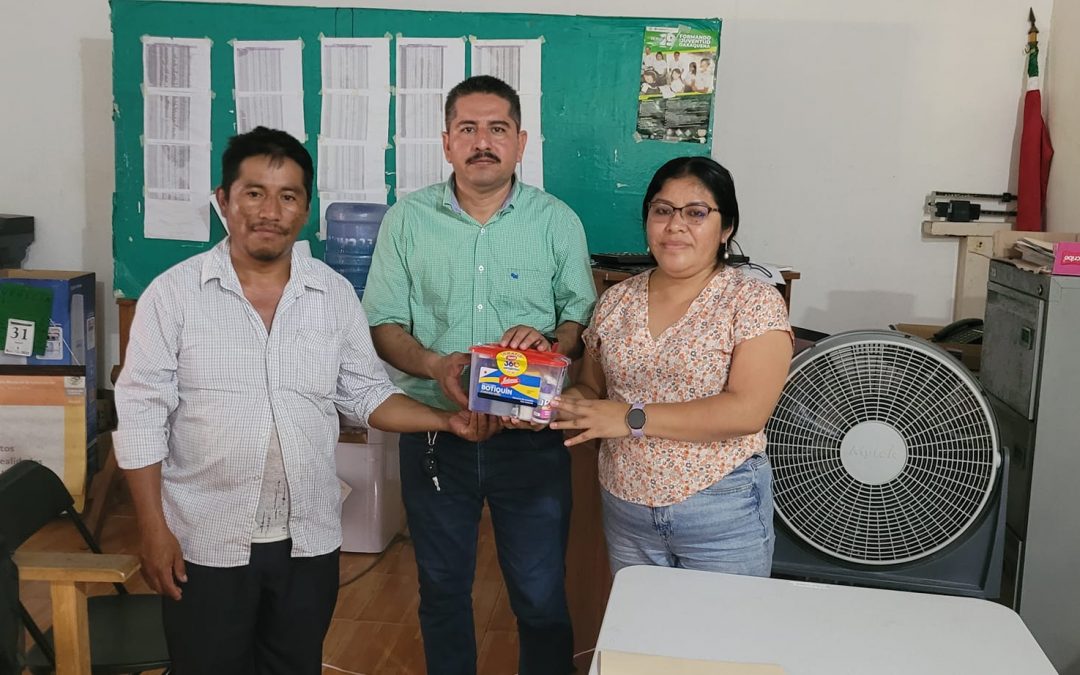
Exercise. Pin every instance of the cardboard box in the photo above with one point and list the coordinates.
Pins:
(42, 419)
(72, 331)
(969, 355)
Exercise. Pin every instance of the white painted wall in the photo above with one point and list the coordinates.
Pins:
(1062, 100)
(56, 141)
(836, 117)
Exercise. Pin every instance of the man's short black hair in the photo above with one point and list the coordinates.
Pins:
(260, 141)
(484, 84)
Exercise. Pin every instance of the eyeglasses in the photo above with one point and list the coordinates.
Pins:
(691, 213)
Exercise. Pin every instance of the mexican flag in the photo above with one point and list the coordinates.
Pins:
(1035, 149)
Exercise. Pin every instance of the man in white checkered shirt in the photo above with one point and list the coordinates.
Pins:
(239, 361)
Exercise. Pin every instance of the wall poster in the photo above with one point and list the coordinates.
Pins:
(678, 77)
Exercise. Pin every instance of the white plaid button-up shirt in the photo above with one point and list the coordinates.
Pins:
(203, 381)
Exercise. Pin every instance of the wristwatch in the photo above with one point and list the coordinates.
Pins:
(635, 420)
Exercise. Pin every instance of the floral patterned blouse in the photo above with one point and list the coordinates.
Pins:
(689, 360)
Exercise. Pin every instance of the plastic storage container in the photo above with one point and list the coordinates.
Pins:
(351, 231)
(515, 382)
(372, 513)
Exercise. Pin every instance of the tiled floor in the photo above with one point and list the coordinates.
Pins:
(375, 627)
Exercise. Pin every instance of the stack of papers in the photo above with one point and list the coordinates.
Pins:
(1035, 254)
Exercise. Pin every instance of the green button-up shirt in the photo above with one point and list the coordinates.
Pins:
(453, 283)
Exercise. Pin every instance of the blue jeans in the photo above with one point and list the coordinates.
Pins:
(525, 478)
(726, 527)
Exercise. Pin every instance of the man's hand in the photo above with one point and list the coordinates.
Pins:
(524, 337)
(474, 427)
(477, 427)
(159, 551)
(460, 424)
(518, 423)
(162, 561)
(447, 372)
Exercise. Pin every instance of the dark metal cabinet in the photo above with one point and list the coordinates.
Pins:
(1031, 368)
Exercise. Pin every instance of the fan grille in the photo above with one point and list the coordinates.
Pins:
(883, 448)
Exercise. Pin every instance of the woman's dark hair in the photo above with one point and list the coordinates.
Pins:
(716, 179)
(277, 145)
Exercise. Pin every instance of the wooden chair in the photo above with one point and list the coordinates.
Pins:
(103, 634)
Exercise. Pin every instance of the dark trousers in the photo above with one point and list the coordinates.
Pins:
(267, 617)
(525, 478)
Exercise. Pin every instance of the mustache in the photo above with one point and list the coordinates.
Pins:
(482, 155)
(268, 227)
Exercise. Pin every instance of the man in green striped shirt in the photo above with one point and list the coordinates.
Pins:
(482, 258)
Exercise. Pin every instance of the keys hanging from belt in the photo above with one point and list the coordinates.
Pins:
(430, 462)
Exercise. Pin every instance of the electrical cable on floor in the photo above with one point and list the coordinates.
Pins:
(341, 670)
(398, 538)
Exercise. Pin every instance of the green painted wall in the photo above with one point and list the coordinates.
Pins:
(590, 68)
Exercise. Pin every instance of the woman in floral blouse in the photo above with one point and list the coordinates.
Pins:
(683, 366)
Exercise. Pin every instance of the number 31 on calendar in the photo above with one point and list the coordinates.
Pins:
(20, 338)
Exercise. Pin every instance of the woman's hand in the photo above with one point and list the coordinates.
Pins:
(599, 418)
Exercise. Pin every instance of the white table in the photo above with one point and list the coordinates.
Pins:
(813, 629)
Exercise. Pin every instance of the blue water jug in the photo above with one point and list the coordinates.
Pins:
(351, 231)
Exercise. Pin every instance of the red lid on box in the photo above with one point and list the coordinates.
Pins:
(552, 359)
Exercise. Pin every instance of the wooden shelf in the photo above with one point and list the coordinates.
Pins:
(944, 228)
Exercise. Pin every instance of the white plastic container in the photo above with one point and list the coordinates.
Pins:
(515, 382)
(372, 512)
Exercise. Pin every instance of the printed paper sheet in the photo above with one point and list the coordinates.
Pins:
(176, 138)
(355, 122)
(517, 62)
(427, 68)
